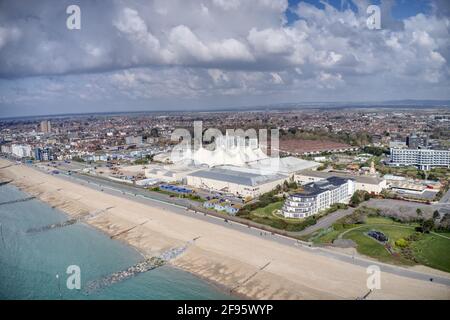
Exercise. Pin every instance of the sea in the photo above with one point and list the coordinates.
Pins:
(41, 265)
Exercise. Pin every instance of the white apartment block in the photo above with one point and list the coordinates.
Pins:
(21, 151)
(318, 196)
(422, 158)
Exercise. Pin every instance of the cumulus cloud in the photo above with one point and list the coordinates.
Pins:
(194, 49)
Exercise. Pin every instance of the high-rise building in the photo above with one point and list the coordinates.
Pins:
(43, 154)
(414, 141)
(46, 126)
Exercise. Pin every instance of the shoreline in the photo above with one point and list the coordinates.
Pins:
(240, 264)
(219, 287)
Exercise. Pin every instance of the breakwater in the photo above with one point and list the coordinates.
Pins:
(67, 222)
(141, 267)
(16, 201)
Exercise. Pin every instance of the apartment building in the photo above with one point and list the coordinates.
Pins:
(422, 158)
(318, 196)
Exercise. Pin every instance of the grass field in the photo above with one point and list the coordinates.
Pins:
(429, 249)
(267, 211)
(433, 251)
(372, 248)
(267, 216)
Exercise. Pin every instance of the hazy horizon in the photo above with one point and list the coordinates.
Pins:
(291, 106)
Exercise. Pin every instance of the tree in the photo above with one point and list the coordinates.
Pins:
(436, 215)
(427, 225)
(358, 197)
(419, 213)
(444, 224)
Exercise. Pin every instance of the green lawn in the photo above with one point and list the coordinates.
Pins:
(433, 251)
(190, 196)
(267, 211)
(325, 237)
(430, 250)
(267, 216)
(372, 248)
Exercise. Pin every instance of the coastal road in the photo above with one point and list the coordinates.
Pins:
(130, 193)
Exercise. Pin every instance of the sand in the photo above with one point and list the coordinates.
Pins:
(244, 264)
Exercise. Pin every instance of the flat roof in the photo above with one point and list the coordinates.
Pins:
(286, 165)
(237, 175)
(315, 188)
(325, 175)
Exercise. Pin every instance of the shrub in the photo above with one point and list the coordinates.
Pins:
(427, 225)
(401, 243)
(356, 217)
(416, 236)
(444, 224)
(358, 197)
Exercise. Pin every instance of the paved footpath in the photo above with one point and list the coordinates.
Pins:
(327, 221)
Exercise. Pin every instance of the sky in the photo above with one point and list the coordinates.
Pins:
(214, 54)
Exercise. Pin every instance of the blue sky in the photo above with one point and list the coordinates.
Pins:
(190, 54)
(401, 10)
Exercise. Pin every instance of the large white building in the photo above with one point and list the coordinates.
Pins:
(318, 196)
(170, 173)
(371, 184)
(287, 165)
(422, 158)
(243, 182)
(21, 151)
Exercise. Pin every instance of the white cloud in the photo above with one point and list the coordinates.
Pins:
(212, 49)
(8, 34)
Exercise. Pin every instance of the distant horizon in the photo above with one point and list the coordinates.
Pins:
(288, 106)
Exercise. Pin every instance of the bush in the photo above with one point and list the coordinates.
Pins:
(416, 236)
(141, 161)
(444, 224)
(358, 197)
(357, 217)
(427, 225)
(401, 243)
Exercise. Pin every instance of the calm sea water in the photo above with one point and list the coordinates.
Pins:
(29, 263)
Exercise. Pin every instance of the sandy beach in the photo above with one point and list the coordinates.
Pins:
(244, 264)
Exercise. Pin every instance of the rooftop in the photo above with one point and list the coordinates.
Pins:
(243, 176)
(315, 188)
(325, 175)
(286, 165)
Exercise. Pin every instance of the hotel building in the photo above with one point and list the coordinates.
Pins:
(422, 158)
(318, 196)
